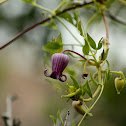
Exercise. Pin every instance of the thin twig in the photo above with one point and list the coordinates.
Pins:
(43, 21)
(7, 116)
(111, 16)
(66, 119)
(106, 27)
(117, 19)
(67, 50)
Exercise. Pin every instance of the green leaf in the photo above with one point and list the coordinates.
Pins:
(52, 46)
(99, 44)
(76, 17)
(59, 39)
(87, 88)
(67, 17)
(107, 74)
(80, 28)
(75, 83)
(83, 90)
(59, 117)
(86, 48)
(73, 124)
(108, 66)
(94, 81)
(53, 119)
(91, 41)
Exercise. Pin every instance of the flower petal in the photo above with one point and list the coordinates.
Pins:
(45, 73)
(60, 78)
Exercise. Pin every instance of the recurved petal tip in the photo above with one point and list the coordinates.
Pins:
(45, 73)
(62, 79)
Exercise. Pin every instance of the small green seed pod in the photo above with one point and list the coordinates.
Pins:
(119, 84)
(80, 108)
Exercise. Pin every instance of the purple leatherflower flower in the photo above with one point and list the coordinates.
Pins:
(59, 63)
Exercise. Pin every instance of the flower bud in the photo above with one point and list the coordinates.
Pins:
(119, 84)
(72, 89)
(59, 63)
(79, 107)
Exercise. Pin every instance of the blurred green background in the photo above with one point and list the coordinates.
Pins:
(22, 65)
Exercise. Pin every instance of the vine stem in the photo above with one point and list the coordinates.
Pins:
(101, 86)
(74, 52)
(43, 21)
(93, 96)
(107, 36)
(85, 67)
(72, 45)
(120, 73)
(117, 19)
(106, 26)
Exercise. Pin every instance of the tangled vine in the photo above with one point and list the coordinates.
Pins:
(77, 91)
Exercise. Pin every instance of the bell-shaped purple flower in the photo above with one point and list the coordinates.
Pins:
(59, 63)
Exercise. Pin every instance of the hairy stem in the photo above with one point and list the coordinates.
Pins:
(106, 26)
